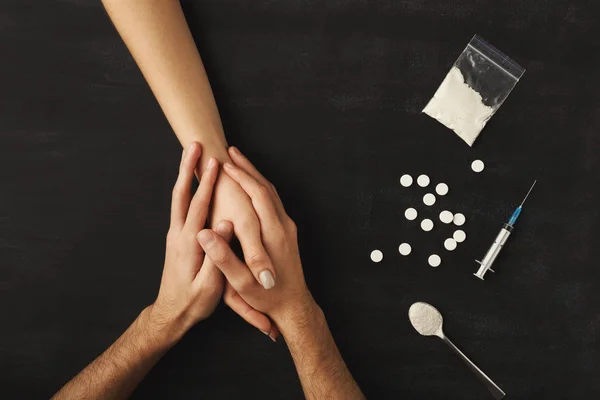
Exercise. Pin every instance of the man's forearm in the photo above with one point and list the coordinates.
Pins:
(158, 37)
(117, 371)
(322, 371)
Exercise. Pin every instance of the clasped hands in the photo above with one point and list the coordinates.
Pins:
(266, 288)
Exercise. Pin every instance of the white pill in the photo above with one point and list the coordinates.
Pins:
(446, 217)
(376, 256)
(441, 189)
(434, 260)
(450, 244)
(423, 180)
(406, 180)
(460, 235)
(410, 214)
(405, 249)
(459, 219)
(477, 165)
(429, 199)
(427, 224)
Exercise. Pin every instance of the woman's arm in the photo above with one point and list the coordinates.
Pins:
(158, 36)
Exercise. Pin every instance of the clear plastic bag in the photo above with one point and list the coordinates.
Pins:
(476, 86)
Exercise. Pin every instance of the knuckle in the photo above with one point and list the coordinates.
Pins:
(191, 237)
(256, 259)
(211, 291)
(246, 285)
(176, 190)
(273, 188)
(262, 188)
(249, 224)
(228, 297)
(264, 192)
(170, 236)
(221, 255)
(291, 225)
(278, 236)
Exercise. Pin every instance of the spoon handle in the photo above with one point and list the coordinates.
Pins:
(489, 384)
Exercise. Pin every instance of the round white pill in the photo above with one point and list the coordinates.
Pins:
(446, 217)
(406, 180)
(429, 199)
(434, 260)
(405, 249)
(427, 224)
(477, 165)
(423, 180)
(376, 256)
(410, 214)
(450, 244)
(441, 189)
(460, 235)
(459, 219)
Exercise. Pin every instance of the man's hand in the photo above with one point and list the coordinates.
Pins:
(285, 298)
(271, 281)
(188, 291)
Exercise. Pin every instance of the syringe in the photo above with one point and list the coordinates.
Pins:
(494, 250)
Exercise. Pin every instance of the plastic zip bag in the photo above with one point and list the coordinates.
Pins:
(476, 86)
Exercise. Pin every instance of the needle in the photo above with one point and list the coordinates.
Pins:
(527, 195)
(494, 250)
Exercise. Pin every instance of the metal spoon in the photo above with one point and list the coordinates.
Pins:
(427, 320)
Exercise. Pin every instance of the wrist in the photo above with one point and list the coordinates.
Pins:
(161, 332)
(217, 150)
(301, 319)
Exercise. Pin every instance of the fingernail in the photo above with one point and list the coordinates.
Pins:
(183, 153)
(228, 165)
(273, 339)
(205, 238)
(189, 150)
(212, 162)
(224, 228)
(236, 150)
(266, 333)
(266, 279)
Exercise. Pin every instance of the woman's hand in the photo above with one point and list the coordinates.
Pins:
(272, 283)
(231, 203)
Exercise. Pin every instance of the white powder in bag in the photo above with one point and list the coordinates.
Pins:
(460, 108)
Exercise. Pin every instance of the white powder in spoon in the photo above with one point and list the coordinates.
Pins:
(424, 318)
(460, 108)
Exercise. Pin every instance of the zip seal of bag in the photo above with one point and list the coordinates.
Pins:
(476, 86)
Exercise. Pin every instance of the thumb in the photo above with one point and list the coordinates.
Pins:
(209, 270)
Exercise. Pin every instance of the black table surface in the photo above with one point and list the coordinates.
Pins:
(326, 98)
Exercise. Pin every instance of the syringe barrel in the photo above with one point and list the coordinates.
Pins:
(494, 250)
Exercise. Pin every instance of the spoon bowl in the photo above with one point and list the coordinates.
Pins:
(428, 321)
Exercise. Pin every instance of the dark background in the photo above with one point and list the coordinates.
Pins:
(325, 96)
